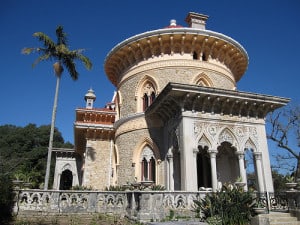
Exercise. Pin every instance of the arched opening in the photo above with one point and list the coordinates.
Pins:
(203, 168)
(148, 165)
(250, 169)
(66, 180)
(227, 163)
(148, 95)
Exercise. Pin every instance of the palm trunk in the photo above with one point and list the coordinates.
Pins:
(51, 133)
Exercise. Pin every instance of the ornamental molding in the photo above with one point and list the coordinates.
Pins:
(213, 134)
(181, 65)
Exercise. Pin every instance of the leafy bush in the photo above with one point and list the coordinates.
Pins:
(229, 206)
(6, 198)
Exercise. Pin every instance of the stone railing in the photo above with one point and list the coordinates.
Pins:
(139, 205)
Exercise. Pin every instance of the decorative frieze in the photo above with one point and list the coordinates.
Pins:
(217, 133)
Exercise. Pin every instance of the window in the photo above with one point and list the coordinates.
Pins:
(148, 95)
(148, 165)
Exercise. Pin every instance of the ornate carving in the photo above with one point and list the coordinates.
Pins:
(226, 136)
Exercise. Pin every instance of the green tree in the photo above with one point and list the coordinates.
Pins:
(64, 57)
(23, 154)
(23, 151)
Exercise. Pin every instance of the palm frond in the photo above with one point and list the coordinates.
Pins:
(43, 57)
(27, 51)
(61, 36)
(71, 67)
(76, 55)
(47, 41)
(86, 61)
(59, 51)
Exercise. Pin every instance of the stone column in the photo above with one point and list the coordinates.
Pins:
(259, 172)
(241, 157)
(170, 172)
(213, 166)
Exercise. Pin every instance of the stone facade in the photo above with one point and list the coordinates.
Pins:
(98, 164)
(176, 118)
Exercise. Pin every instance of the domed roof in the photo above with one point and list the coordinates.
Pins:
(90, 94)
(177, 39)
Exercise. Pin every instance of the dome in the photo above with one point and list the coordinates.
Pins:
(90, 94)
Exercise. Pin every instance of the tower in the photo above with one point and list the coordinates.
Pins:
(90, 97)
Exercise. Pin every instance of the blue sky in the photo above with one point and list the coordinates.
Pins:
(268, 30)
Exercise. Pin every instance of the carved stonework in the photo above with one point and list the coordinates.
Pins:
(198, 128)
(226, 136)
(212, 130)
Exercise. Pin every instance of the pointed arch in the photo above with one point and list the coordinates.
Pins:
(146, 91)
(145, 158)
(67, 166)
(250, 144)
(226, 135)
(202, 80)
(204, 142)
(139, 147)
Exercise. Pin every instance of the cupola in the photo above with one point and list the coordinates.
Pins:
(90, 97)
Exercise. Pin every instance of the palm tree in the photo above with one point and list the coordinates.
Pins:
(64, 57)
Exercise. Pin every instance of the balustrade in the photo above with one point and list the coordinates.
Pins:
(140, 205)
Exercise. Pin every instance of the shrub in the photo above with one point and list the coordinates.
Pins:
(229, 206)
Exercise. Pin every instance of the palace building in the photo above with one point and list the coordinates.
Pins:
(176, 118)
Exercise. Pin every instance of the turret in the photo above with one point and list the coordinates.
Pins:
(90, 97)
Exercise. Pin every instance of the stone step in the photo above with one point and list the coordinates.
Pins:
(278, 218)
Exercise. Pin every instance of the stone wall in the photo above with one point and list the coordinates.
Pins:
(97, 166)
(138, 205)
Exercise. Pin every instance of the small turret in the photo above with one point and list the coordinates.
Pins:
(90, 97)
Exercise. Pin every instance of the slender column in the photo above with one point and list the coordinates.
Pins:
(58, 182)
(241, 157)
(170, 173)
(259, 173)
(213, 166)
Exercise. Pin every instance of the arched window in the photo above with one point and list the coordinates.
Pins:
(148, 165)
(148, 95)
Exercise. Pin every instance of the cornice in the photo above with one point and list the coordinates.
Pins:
(181, 97)
(169, 41)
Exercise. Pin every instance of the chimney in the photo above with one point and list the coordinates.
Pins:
(196, 20)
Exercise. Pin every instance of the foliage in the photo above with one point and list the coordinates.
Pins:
(278, 181)
(6, 197)
(232, 205)
(115, 188)
(58, 51)
(23, 151)
(157, 188)
(289, 179)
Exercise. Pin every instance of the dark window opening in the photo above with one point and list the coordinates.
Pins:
(195, 55)
(66, 180)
